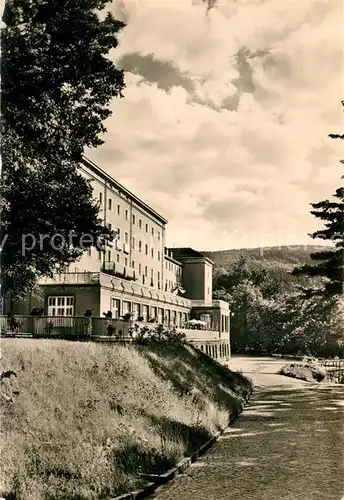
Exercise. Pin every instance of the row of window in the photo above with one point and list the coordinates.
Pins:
(133, 243)
(173, 267)
(118, 258)
(169, 284)
(118, 211)
(147, 313)
(64, 306)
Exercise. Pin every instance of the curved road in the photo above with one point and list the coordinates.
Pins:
(288, 444)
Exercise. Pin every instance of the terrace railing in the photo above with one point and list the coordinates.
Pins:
(98, 329)
(65, 327)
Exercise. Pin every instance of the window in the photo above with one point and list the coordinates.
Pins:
(109, 226)
(118, 209)
(126, 307)
(101, 198)
(146, 271)
(115, 308)
(146, 249)
(152, 271)
(139, 268)
(110, 204)
(126, 237)
(134, 218)
(126, 261)
(140, 246)
(133, 242)
(117, 257)
(109, 255)
(152, 253)
(133, 264)
(60, 306)
(152, 231)
(158, 235)
(136, 310)
(153, 312)
(146, 228)
(126, 215)
(140, 223)
(158, 254)
(99, 255)
(145, 312)
(118, 233)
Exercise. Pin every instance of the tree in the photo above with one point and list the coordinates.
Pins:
(57, 83)
(330, 263)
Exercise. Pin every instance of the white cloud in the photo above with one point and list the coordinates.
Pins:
(241, 156)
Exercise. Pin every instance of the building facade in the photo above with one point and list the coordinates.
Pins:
(136, 275)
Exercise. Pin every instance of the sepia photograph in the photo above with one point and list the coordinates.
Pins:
(172, 250)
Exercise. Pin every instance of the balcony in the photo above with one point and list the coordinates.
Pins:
(86, 278)
(129, 273)
(119, 245)
(109, 266)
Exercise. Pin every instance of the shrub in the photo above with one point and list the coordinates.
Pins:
(160, 333)
(307, 370)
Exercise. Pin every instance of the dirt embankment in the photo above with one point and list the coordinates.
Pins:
(83, 421)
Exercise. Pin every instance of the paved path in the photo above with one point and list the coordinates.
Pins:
(288, 444)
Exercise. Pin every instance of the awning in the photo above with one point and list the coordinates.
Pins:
(196, 322)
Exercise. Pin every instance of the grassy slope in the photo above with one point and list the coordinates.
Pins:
(89, 417)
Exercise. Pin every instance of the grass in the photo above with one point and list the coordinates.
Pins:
(83, 421)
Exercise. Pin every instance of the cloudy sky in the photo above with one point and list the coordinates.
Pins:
(224, 124)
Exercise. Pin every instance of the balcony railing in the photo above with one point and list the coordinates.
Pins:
(85, 278)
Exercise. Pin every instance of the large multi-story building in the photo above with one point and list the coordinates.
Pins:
(136, 274)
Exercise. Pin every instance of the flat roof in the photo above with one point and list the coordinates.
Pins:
(172, 259)
(99, 171)
(188, 252)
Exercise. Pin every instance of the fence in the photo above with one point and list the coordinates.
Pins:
(216, 349)
(65, 327)
(95, 329)
(334, 369)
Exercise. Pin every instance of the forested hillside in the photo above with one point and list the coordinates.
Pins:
(271, 309)
(286, 255)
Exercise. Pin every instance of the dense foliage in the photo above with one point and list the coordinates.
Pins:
(57, 82)
(270, 313)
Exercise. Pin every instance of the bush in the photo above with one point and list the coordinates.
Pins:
(307, 370)
(146, 335)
